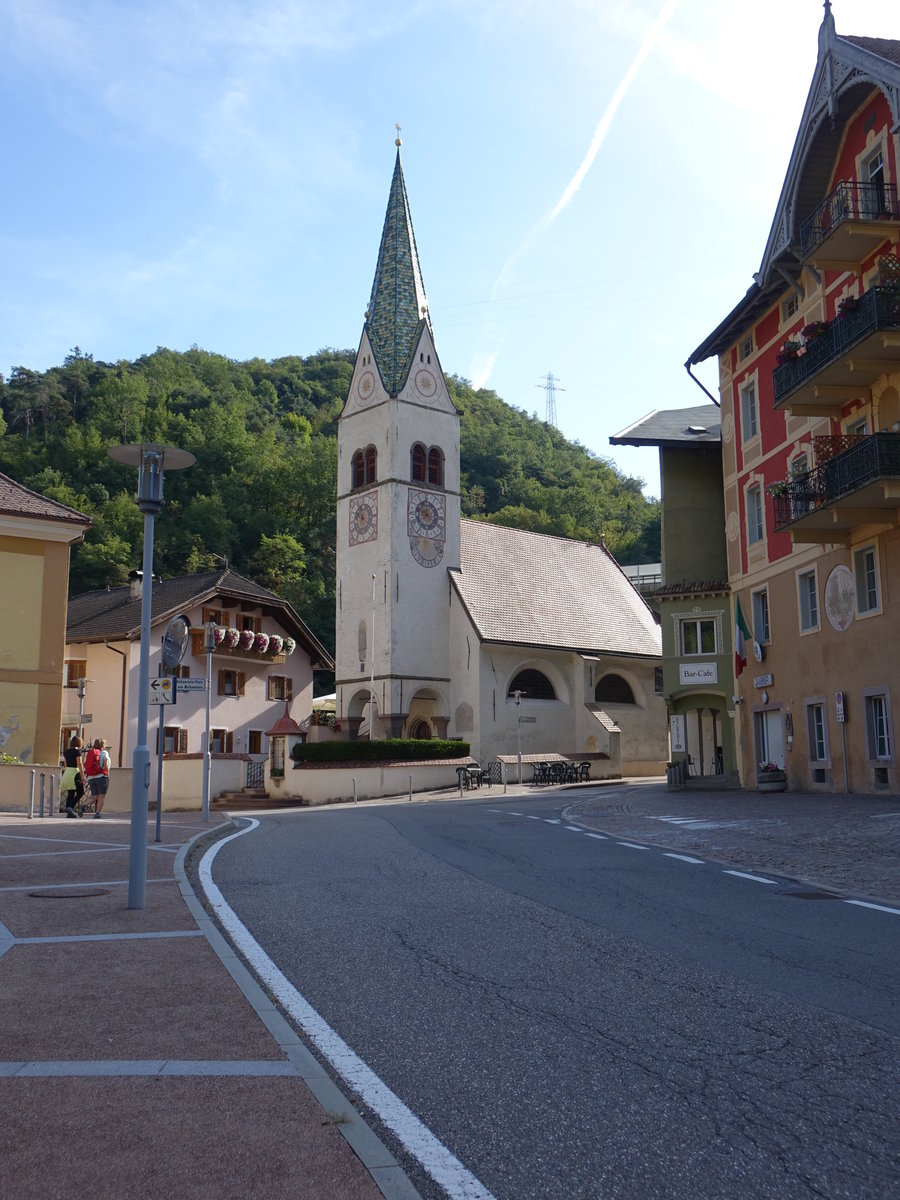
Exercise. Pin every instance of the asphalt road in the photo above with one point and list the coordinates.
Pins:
(577, 1017)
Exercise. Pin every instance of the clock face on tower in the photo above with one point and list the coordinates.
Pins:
(426, 522)
(363, 518)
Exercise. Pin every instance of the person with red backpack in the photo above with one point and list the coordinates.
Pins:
(96, 768)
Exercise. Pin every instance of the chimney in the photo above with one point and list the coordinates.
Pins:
(136, 581)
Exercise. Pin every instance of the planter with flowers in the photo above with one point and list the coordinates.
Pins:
(848, 305)
(247, 643)
(780, 487)
(813, 330)
(770, 777)
(788, 351)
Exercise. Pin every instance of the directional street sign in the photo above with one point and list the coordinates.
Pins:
(193, 683)
(161, 691)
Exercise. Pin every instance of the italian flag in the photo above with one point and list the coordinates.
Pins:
(741, 637)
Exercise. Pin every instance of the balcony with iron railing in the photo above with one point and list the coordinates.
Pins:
(849, 224)
(846, 358)
(856, 481)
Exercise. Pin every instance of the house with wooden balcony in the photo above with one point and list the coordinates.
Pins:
(263, 656)
(809, 383)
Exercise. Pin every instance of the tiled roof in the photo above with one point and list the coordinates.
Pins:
(533, 589)
(885, 48)
(94, 616)
(19, 501)
(696, 426)
(397, 306)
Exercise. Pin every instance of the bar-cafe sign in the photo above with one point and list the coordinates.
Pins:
(698, 673)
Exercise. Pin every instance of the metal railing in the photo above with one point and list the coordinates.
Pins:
(876, 309)
(850, 201)
(867, 459)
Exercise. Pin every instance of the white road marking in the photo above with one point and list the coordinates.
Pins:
(632, 845)
(552, 820)
(573, 828)
(878, 907)
(601, 837)
(745, 875)
(441, 1165)
(682, 857)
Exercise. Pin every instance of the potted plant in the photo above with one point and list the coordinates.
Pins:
(848, 305)
(232, 637)
(289, 645)
(770, 777)
(276, 642)
(261, 643)
(788, 351)
(813, 330)
(780, 487)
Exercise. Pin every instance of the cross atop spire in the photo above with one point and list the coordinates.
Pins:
(397, 305)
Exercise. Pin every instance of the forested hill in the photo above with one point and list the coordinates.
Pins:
(267, 502)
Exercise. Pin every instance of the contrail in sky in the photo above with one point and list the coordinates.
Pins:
(596, 142)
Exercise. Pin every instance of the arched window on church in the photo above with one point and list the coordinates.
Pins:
(364, 466)
(613, 689)
(534, 685)
(435, 467)
(417, 463)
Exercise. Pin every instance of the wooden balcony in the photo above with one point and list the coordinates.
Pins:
(857, 485)
(850, 223)
(844, 361)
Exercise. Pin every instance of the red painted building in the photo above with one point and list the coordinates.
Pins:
(809, 381)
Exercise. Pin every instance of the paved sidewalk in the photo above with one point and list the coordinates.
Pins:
(135, 1062)
(132, 1064)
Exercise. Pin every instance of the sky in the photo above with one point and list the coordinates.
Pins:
(592, 182)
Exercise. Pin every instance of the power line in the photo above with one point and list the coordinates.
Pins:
(551, 387)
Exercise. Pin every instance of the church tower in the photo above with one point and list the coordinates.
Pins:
(398, 512)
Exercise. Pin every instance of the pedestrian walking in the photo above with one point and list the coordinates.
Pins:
(71, 784)
(96, 768)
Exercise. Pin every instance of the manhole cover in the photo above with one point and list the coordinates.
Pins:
(812, 895)
(70, 894)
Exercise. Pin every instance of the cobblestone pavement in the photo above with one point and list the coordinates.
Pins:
(846, 843)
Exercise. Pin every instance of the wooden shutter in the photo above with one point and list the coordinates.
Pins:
(270, 688)
(288, 689)
(181, 741)
(229, 742)
(222, 691)
(241, 680)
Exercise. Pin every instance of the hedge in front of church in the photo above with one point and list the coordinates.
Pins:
(393, 749)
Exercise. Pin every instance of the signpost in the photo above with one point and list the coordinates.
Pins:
(161, 691)
(174, 644)
(193, 683)
(841, 717)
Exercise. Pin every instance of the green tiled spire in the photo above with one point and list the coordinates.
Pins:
(398, 304)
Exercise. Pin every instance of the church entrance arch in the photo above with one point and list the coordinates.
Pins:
(429, 714)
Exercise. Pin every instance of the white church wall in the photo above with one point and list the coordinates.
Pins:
(465, 661)
(644, 738)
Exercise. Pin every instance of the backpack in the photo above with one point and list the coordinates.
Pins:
(92, 762)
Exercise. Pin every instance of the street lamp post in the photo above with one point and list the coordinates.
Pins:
(372, 669)
(518, 695)
(150, 461)
(82, 688)
(209, 644)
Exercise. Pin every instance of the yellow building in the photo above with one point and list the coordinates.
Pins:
(35, 536)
